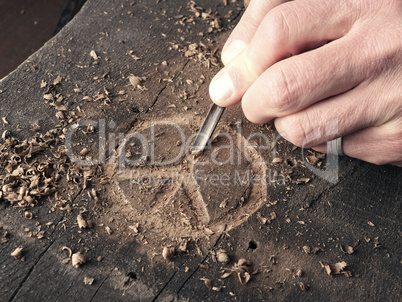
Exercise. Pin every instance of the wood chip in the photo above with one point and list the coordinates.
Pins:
(82, 224)
(244, 277)
(88, 280)
(135, 81)
(84, 152)
(168, 252)
(222, 256)
(28, 215)
(347, 249)
(70, 252)
(226, 275)
(336, 269)
(57, 80)
(207, 282)
(17, 252)
(108, 230)
(77, 259)
(303, 287)
(93, 55)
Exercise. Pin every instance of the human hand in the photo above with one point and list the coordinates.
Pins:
(307, 63)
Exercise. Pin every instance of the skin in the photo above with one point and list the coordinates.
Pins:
(327, 68)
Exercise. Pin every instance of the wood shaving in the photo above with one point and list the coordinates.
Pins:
(93, 55)
(196, 153)
(207, 282)
(77, 259)
(84, 152)
(309, 250)
(57, 80)
(208, 232)
(17, 252)
(168, 252)
(303, 287)
(108, 230)
(182, 248)
(347, 249)
(136, 82)
(222, 256)
(28, 215)
(226, 275)
(244, 277)
(70, 252)
(88, 280)
(82, 224)
(3, 235)
(40, 235)
(336, 269)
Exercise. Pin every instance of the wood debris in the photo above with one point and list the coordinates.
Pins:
(222, 256)
(309, 250)
(3, 235)
(207, 282)
(244, 277)
(88, 280)
(77, 259)
(57, 80)
(226, 275)
(242, 268)
(82, 224)
(336, 269)
(17, 252)
(347, 249)
(168, 252)
(136, 82)
(303, 287)
(93, 55)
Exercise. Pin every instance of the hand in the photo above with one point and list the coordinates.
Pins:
(307, 63)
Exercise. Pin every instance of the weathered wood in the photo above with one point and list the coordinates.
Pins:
(321, 215)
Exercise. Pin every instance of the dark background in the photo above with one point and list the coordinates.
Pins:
(25, 25)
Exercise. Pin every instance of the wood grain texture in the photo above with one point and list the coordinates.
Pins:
(322, 215)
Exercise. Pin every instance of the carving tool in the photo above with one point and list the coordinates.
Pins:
(207, 128)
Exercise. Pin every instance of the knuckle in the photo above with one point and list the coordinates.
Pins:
(281, 92)
(297, 130)
(277, 26)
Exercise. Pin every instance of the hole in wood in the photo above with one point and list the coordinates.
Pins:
(252, 245)
(132, 275)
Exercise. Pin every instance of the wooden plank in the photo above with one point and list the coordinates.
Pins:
(131, 268)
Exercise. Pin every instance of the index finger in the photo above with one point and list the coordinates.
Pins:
(245, 30)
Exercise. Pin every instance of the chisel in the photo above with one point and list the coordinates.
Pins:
(207, 128)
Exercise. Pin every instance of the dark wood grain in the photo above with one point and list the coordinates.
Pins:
(321, 215)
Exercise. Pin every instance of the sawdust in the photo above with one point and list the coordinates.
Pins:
(180, 199)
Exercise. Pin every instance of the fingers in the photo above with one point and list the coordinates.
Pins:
(326, 120)
(377, 145)
(337, 116)
(300, 81)
(245, 30)
(285, 30)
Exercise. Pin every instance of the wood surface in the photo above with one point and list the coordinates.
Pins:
(364, 205)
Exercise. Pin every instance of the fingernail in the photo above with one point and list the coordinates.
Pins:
(221, 88)
(232, 50)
